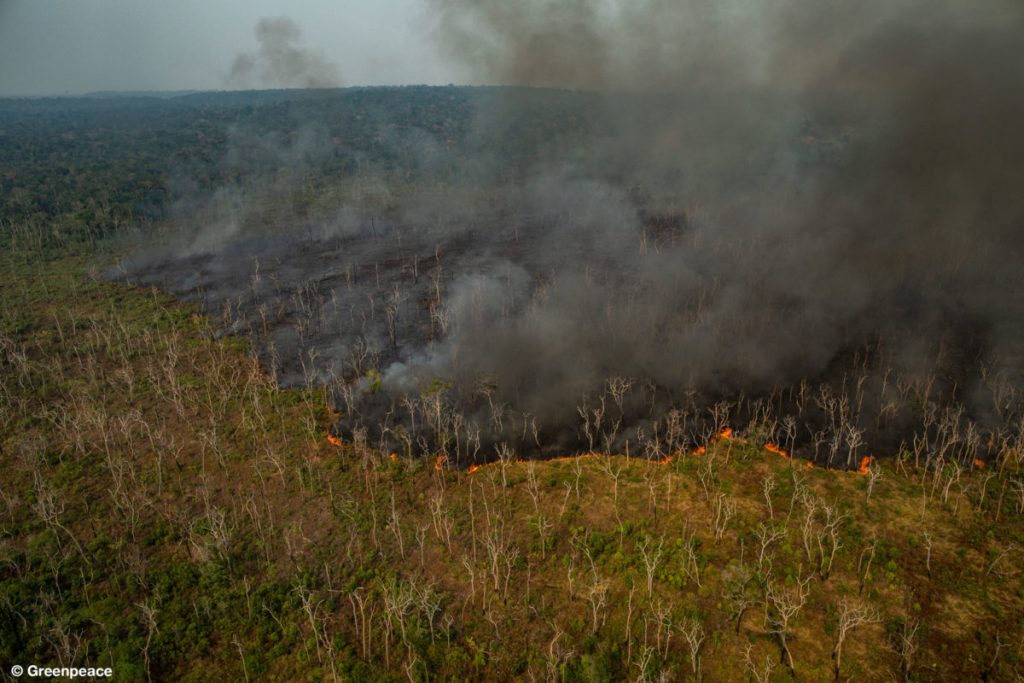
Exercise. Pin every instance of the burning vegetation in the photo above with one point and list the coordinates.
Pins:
(202, 488)
(625, 269)
(691, 356)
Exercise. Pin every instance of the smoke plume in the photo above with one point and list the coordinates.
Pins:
(765, 196)
(280, 62)
(855, 164)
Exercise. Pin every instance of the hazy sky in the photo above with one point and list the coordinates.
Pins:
(76, 46)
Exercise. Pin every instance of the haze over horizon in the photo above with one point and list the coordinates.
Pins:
(58, 47)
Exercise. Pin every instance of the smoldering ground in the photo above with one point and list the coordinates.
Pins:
(802, 220)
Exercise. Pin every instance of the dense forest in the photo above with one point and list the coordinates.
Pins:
(88, 166)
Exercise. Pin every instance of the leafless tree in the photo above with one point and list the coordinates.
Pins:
(725, 510)
(782, 604)
(501, 555)
(706, 475)
(617, 388)
(597, 595)
(313, 606)
(690, 560)
(149, 621)
(768, 485)
(761, 673)
(1001, 553)
(396, 525)
(821, 530)
(851, 615)
(854, 440)
(720, 415)
(643, 664)
(544, 526)
(693, 633)
(1018, 491)
(664, 624)
(441, 519)
(651, 557)
(362, 615)
(767, 534)
(533, 486)
(905, 643)
(556, 655)
(874, 474)
(613, 468)
(867, 556)
(928, 553)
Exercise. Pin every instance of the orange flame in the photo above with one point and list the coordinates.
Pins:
(980, 464)
(334, 440)
(394, 457)
(726, 433)
(562, 458)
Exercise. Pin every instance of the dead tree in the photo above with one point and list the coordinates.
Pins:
(874, 474)
(851, 616)
(767, 534)
(782, 604)
(651, 558)
(820, 530)
(768, 485)
(761, 674)
(725, 510)
(597, 595)
(693, 633)
(905, 643)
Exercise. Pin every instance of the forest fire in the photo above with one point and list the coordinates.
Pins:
(441, 461)
(565, 458)
(726, 433)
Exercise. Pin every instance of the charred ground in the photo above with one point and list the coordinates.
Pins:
(171, 512)
(447, 276)
(471, 270)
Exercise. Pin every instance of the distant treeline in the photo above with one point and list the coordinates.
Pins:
(93, 164)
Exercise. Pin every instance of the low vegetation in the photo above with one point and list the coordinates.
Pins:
(166, 510)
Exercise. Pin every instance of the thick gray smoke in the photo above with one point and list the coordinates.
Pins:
(280, 62)
(918, 97)
(771, 192)
(854, 165)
